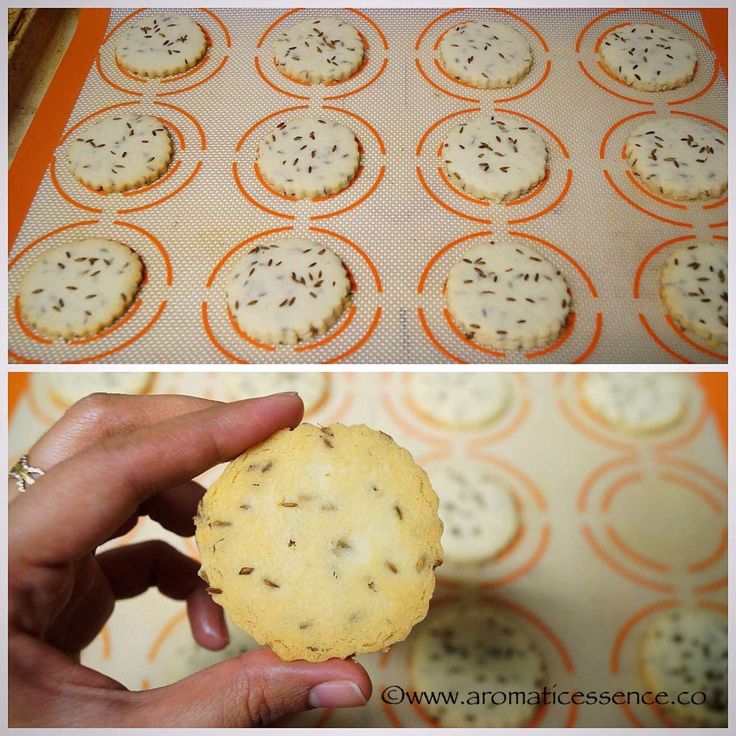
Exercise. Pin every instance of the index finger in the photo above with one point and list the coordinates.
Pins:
(84, 499)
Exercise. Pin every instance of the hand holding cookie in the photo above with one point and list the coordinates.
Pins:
(110, 460)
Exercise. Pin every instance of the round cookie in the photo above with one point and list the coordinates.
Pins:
(491, 159)
(686, 649)
(477, 510)
(460, 399)
(79, 288)
(322, 542)
(476, 648)
(161, 45)
(693, 286)
(636, 402)
(121, 152)
(312, 387)
(679, 158)
(319, 51)
(506, 296)
(66, 389)
(648, 57)
(288, 290)
(485, 55)
(309, 157)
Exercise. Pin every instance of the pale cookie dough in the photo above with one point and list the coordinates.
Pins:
(492, 159)
(79, 288)
(693, 285)
(636, 402)
(322, 542)
(485, 55)
(288, 290)
(121, 152)
(318, 51)
(679, 158)
(464, 400)
(686, 649)
(476, 648)
(161, 45)
(309, 157)
(477, 509)
(66, 389)
(648, 57)
(311, 387)
(507, 296)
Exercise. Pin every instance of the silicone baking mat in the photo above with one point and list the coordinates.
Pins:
(613, 531)
(400, 226)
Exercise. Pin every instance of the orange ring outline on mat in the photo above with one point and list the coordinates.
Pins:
(164, 253)
(549, 207)
(245, 336)
(329, 337)
(427, 78)
(638, 207)
(132, 192)
(531, 89)
(362, 341)
(164, 633)
(633, 554)
(252, 200)
(442, 203)
(694, 487)
(648, 257)
(420, 434)
(211, 335)
(609, 132)
(559, 342)
(705, 89)
(459, 192)
(439, 122)
(67, 198)
(524, 567)
(124, 344)
(114, 85)
(199, 82)
(453, 243)
(652, 195)
(434, 340)
(264, 78)
(534, 491)
(536, 122)
(463, 338)
(190, 117)
(46, 236)
(94, 114)
(614, 487)
(593, 433)
(713, 557)
(615, 565)
(165, 197)
(598, 473)
(357, 249)
(380, 71)
(683, 336)
(713, 205)
(117, 324)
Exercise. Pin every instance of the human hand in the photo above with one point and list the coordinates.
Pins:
(109, 460)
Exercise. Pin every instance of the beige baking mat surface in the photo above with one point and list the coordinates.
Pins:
(613, 531)
(399, 226)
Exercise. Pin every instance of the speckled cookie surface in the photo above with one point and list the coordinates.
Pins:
(492, 158)
(319, 50)
(480, 648)
(679, 158)
(161, 45)
(120, 152)
(288, 290)
(309, 157)
(648, 57)
(485, 55)
(693, 285)
(79, 288)
(686, 649)
(508, 296)
(636, 402)
(322, 541)
(460, 399)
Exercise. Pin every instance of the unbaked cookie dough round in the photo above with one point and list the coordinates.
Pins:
(288, 290)
(476, 648)
(309, 157)
(161, 45)
(693, 285)
(679, 157)
(648, 57)
(507, 296)
(121, 152)
(492, 159)
(477, 509)
(462, 400)
(636, 402)
(686, 649)
(485, 55)
(318, 51)
(78, 289)
(322, 542)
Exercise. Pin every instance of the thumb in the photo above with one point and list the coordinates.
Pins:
(253, 689)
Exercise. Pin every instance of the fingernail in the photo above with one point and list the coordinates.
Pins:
(339, 694)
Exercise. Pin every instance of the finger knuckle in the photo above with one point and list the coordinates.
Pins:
(92, 409)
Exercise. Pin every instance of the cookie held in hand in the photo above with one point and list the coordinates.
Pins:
(322, 542)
